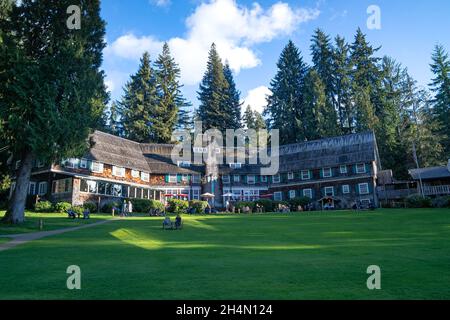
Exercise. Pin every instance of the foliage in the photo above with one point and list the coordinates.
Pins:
(198, 205)
(144, 205)
(78, 210)
(299, 201)
(43, 206)
(266, 204)
(107, 207)
(92, 207)
(62, 207)
(242, 204)
(177, 206)
(417, 201)
(441, 202)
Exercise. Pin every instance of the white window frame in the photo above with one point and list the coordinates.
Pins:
(308, 193)
(327, 193)
(292, 194)
(290, 176)
(145, 176)
(40, 164)
(236, 165)
(361, 171)
(343, 169)
(83, 164)
(345, 189)
(43, 191)
(327, 170)
(32, 184)
(236, 178)
(100, 168)
(276, 178)
(278, 196)
(195, 194)
(251, 179)
(118, 171)
(184, 178)
(306, 175)
(171, 178)
(263, 178)
(365, 185)
(226, 179)
(135, 174)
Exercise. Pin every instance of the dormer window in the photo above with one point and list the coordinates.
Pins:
(236, 165)
(118, 171)
(145, 176)
(327, 173)
(135, 173)
(360, 168)
(97, 167)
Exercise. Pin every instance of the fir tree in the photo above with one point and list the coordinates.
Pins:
(285, 108)
(233, 103)
(139, 104)
(253, 119)
(52, 89)
(440, 86)
(213, 95)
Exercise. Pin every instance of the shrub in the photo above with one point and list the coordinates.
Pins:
(241, 204)
(177, 206)
(441, 202)
(92, 207)
(107, 208)
(198, 205)
(62, 207)
(78, 210)
(144, 205)
(299, 201)
(43, 206)
(266, 204)
(417, 201)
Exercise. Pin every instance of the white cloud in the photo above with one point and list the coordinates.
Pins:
(235, 29)
(256, 98)
(160, 3)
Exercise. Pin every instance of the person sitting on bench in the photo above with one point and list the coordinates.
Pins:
(167, 224)
(71, 214)
(178, 222)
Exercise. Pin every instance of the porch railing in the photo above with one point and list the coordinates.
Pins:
(436, 190)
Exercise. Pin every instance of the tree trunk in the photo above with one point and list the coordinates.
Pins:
(16, 208)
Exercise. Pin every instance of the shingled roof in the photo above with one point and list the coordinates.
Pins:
(430, 173)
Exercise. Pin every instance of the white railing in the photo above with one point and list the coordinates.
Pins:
(436, 190)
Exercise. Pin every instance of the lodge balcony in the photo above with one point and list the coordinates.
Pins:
(436, 190)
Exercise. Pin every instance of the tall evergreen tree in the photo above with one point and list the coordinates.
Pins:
(114, 120)
(285, 108)
(139, 104)
(440, 86)
(52, 89)
(172, 107)
(253, 119)
(233, 103)
(213, 95)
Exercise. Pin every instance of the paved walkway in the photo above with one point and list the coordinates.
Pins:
(18, 239)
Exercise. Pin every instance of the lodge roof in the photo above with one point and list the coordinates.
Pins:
(156, 158)
(430, 173)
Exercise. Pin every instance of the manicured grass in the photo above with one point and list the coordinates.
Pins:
(52, 221)
(296, 256)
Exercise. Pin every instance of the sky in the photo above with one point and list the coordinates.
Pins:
(250, 35)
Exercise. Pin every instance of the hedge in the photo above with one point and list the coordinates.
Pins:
(177, 206)
(144, 205)
(198, 205)
(62, 207)
(43, 206)
(417, 201)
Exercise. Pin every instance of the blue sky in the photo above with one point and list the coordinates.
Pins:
(251, 34)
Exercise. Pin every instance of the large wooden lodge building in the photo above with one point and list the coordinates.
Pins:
(337, 172)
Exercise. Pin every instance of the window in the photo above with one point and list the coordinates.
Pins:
(291, 194)
(363, 188)
(118, 171)
(360, 168)
(366, 202)
(195, 194)
(263, 178)
(236, 178)
(83, 163)
(185, 178)
(62, 186)
(343, 169)
(173, 178)
(145, 176)
(117, 190)
(139, 193)
(92, 186)
(83, 186)
(132, 192)
(97, 167)
(306, 175)
(326, 173)
(200, 150)
(146, 194)
(251, 179)
(42, 188)
(125, 191)
(278, 196)
(134, 173)
(40, 164)
(308, 193)
(184, 164)
(226, 179)
(71, 163)
(196, 178)
(276, 178)
(236, 165)
(32, 189)
(345, 189)
(290, 176)
(329, 191)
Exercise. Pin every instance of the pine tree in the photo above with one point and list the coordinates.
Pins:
(342, 85)
(139, 104)
(253, 119)
(440, 86)
(172, 107)
(114, 123)
(285, 108)
(212, 94)
(52, 89)
(322, 58)
(233, 103)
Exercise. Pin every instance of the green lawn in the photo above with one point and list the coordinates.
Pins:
(297, 256)
(52, 221)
